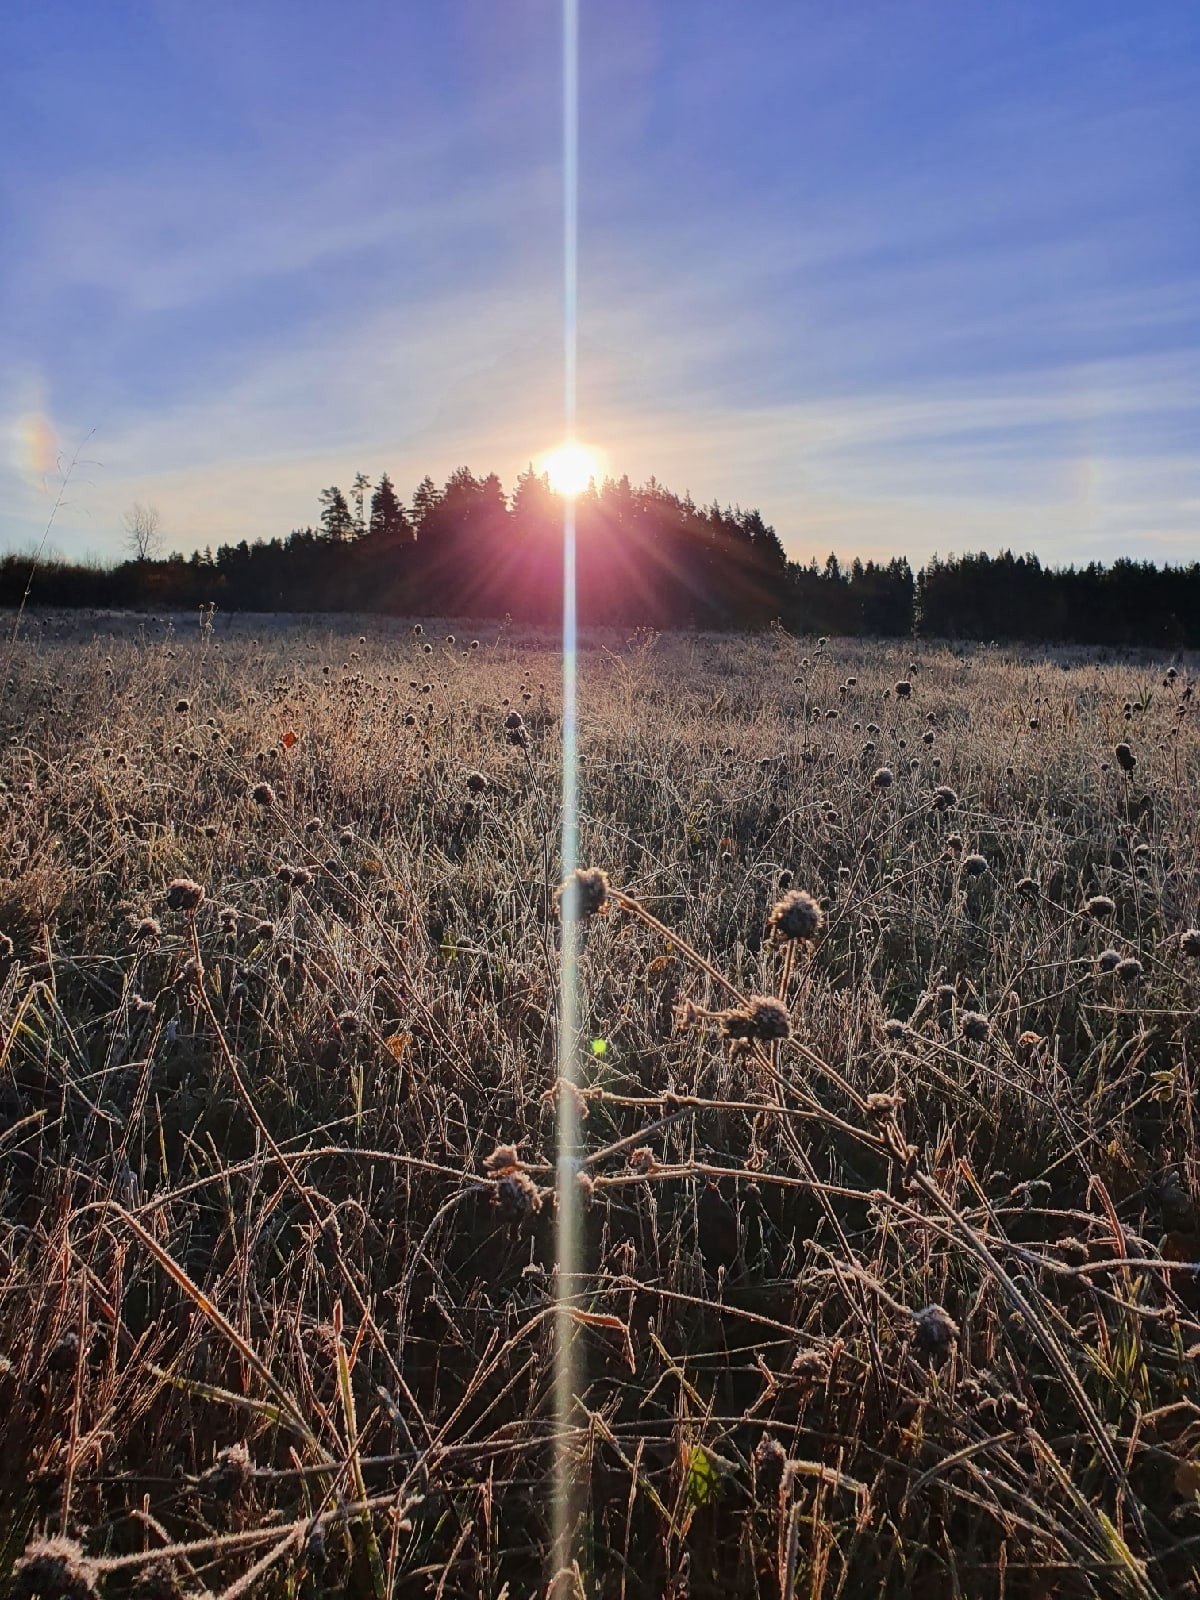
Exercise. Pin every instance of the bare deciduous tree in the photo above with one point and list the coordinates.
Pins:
(142, 530)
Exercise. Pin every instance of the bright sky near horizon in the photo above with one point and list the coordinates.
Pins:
(907, 278)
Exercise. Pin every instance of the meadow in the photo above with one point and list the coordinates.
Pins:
(890, 1181)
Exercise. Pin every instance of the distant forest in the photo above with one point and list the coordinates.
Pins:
(646, 556)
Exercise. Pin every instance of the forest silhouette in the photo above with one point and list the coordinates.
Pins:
(646, 557)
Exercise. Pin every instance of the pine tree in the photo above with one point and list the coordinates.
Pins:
(359, 490)
(337, 520)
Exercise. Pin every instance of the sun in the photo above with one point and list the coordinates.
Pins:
(570, 469)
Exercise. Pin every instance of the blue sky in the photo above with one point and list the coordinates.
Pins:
(909, 277)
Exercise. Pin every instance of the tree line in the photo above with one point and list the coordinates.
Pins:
(645, 556)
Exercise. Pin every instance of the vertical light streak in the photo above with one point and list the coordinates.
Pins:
(570, 205)
(567, 1243)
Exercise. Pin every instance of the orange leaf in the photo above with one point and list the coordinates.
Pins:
(598, 1319)
(288, 740)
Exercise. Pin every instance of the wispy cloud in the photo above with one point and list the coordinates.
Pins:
(904, 288)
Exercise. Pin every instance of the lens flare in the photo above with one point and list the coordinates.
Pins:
(39, 444)
(577, 468)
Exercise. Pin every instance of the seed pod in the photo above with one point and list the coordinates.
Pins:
(183, 894)
(582, 894)
(935, 1332)
(796, 916)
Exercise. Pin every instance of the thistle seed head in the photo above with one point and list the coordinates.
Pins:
(883, 1107)
(975, 1027)
(762, 1017)
(504, 1158)
(183, 894)
(231, 1471)
(935, 1332)
(582, 894)
(54, 1569)
(796, 916)
(517, 1196)
(158, 1581)
(810, 1366)
(767, 1465)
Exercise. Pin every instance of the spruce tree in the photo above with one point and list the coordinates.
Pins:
(388, 520)
(426, 499)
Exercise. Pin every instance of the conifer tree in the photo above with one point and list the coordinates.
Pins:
(359, 490)
(337, 520)
(426, 498)
(388, 519)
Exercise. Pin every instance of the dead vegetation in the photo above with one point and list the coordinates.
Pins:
(891, 1184)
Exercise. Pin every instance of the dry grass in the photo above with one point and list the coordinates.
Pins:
(895, 1304)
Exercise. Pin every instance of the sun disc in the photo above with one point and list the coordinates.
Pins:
(570, 469)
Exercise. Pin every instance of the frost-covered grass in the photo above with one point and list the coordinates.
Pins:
(892, 1305)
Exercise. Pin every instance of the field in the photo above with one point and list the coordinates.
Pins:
(886, 1290)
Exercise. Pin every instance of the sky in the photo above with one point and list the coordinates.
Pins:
(909, 277)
